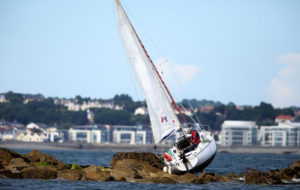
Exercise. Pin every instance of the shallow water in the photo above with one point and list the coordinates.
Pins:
(222, 164)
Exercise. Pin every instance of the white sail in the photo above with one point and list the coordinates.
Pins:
(162, 117)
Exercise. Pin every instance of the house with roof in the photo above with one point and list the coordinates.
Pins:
(284, 118)
(32, 135)
(141, 111)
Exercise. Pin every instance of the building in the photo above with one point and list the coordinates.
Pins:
(2, 98)
(126, 134)
(129, 134)
(283, 134)
(284, 118)
(31, 135)
(238, 133)
(141, 111)
(85, 134)
(90, 115)
(53, 134)
(8, 134)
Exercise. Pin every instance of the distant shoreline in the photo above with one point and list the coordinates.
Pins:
(139, 148)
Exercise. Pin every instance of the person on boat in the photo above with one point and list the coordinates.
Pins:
(195, 137)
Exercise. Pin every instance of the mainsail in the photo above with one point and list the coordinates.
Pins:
(162, 116)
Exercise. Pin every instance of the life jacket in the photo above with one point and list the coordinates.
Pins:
(168, 157)
(195, 137)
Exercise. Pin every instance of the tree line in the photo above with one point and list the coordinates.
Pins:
(46, 111)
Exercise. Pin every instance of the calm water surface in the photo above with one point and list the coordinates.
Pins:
(222, 164)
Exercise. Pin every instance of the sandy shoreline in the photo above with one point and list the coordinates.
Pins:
(139, 148)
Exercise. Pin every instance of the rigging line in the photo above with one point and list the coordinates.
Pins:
(183, 91)
(158, 75)
(186, 111)
(127, 65)
(153, 42)
(161, 52)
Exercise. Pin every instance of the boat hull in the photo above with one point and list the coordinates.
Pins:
(196, 160)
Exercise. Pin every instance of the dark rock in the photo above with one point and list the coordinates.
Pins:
(127, 168)
(186, 178)
(256, 177)
(43, 172)
(9, 174)
(98, 173)
(37, 157)
(295, 164)
(149, 158)
(208, 178)
(18, 163)
(164, 180)
(70, 174)
(134, 169)
(230, 175)
(6, 155)
(1, 165)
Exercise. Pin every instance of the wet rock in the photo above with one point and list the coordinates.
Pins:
(39, 158)
(98, 173)
(127, 168)
(43, 172)
(35, 156)
(208, 178)
(10, 174)
(164, 180)
(130, 167)
(135, 169)
(70, 174)
(295, 164)
(18, 163)
(273, 176)
(1, 165)
(186, 178)
(256, 177)
(6, 155)
(149, 158)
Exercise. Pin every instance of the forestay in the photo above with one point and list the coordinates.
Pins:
(162, 116)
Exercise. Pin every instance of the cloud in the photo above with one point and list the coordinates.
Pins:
(174, 74)
(284, 89)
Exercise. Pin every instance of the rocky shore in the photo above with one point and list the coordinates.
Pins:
(130, 167)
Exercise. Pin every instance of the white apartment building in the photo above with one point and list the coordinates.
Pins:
(8, 134)
(53, 134)
(234, 133)
(283, 134)
(129, 134)
(86, 134)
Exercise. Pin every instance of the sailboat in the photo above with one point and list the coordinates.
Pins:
(193, 148)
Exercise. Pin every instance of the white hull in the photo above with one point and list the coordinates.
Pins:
(195, 160)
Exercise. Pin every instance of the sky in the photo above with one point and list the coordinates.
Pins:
(236, 51)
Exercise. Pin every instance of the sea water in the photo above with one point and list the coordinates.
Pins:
(222, 164)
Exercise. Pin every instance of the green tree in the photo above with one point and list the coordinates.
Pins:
(79, 99)
(14, 98)
(113, 117)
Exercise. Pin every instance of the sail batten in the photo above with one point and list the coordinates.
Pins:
(162, 116)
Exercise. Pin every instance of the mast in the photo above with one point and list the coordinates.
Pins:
(156, 71)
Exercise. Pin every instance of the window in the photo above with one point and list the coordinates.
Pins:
(125, 138)
(95, 137)
(81, 137)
